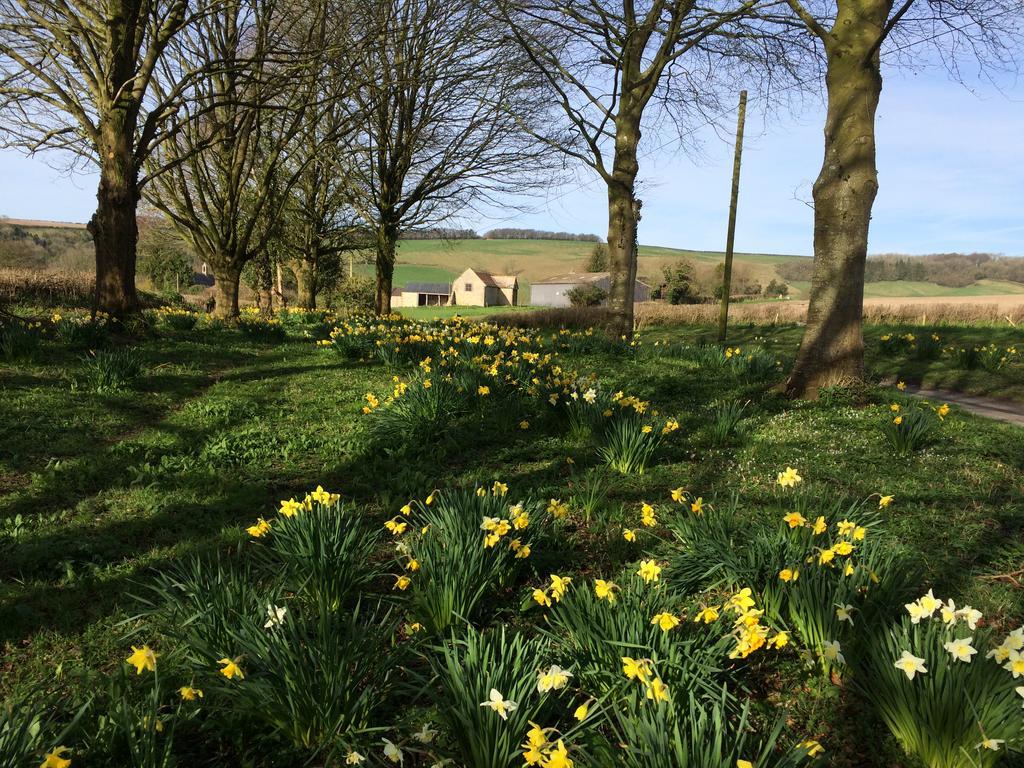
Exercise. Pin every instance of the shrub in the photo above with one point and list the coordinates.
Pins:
(908, 428)
(456, 567)
(946, 712)
(19, 338)
(420, 412)
(628, 443)
(266, 330)
(927, 346)
(177, 319)
(725, 422)
(323, 552)
(587, 296)
(468, 668)
(693, 733)
(315, 679)
(28, 729)
(965, 358)
(356, 294)
(112, 370)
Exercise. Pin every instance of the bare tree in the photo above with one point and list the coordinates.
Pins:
(222, 180)
(606, 62)
(855, 38)
(444, 98)
(77, 76)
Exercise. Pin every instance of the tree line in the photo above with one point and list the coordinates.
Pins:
(953, 270)
(539, 234)
(270, 131)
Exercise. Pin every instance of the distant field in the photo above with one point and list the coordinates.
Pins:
(914, 289)
(536, 260)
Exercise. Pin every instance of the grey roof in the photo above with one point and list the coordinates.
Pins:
(577, 278)
(444, 288)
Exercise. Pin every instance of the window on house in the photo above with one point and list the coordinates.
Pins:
(469, 287)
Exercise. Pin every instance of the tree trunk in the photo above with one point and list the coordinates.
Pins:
(832, 348)
(387, 248)
(304, 282)
(623, 217)
(113, 226)
(226, 283)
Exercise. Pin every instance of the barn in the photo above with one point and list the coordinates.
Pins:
(554, 291)
(476, 288)
(423, 295)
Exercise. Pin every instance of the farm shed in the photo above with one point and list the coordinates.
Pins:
(554, 291)
(476, 288)
(425, 295)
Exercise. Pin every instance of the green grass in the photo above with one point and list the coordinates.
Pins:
(433, 313)
(100, 490)
(941, 372)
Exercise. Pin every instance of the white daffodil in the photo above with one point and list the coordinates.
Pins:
(554, 678)
(971, 615)
(354, 758)
(845, 613)
(425, 735)
(910, 665)
(392, 752)
(831, 650)
(992, 744)
(275, 616)
(961, 648)
(499, 704)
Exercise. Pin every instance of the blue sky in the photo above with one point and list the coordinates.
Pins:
(951, 173)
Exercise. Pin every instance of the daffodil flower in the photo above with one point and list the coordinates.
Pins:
(554, 678)
(649, 571)
(142, 659)
(665, 621)
(910, 665)
(499, 704)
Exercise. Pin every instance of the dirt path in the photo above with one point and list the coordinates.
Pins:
(1001, 410)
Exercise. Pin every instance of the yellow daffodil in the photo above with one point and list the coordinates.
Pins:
(706, 615)
(885, 501)
(55, 758)
(581, 712)
(794, 520)
(143, 659)
(628, 534)
(635, 669)
(230, 669)
(188, 693)
(788, 478)
(558, 757)
(697, 507)
(290, 508)
(843, 548)
(649, 571)
(826, 556)
(678, 495)
(259, 529)
(402, 583)
(789, 574)
(742, 600)
(845, 527)
(541, 598)
(605, 590)
(665, 621)
(499, 488)
(396, 526)
(657, 690)
(813, 747)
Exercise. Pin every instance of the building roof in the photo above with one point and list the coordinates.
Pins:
(574, 277)
(496, 281)
(577, 278)
(444, 288)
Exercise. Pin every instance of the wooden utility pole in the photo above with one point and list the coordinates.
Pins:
(723, 317)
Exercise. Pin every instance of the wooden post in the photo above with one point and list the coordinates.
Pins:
(723, 317)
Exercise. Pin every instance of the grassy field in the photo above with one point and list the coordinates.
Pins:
(915, 289)
(104, 489)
